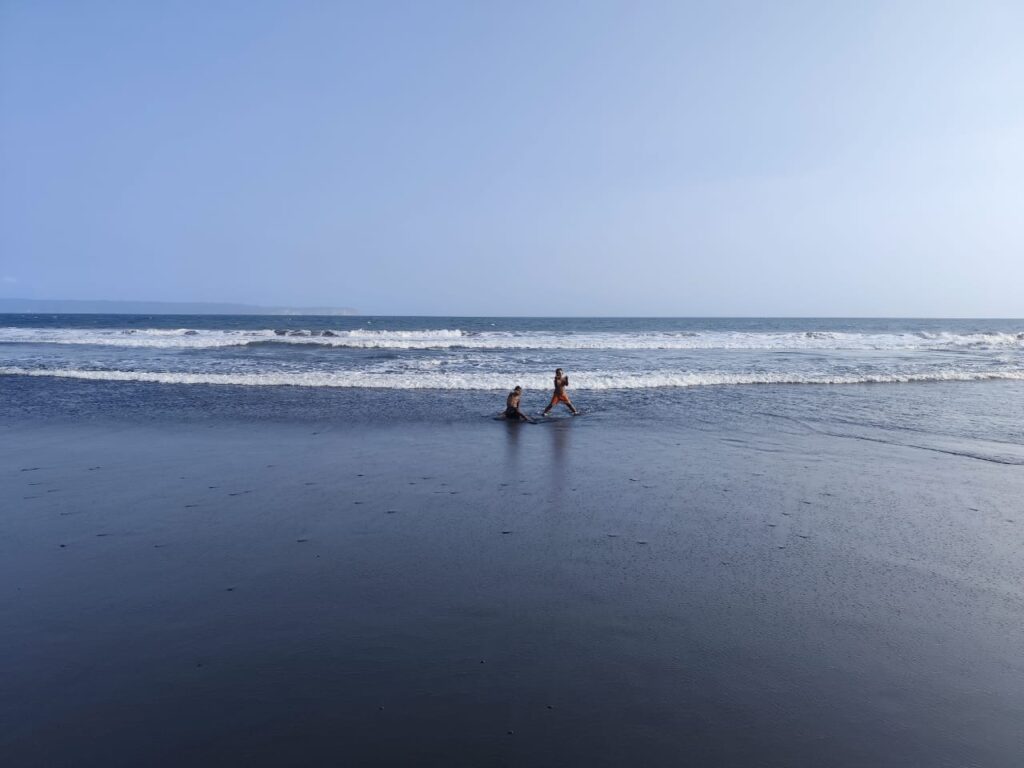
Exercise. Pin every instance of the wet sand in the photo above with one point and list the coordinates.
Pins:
(574, 593)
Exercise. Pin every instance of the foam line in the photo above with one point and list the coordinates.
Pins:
(455, 381)
(497, 340)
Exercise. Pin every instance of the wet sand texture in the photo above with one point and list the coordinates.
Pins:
(485, 595)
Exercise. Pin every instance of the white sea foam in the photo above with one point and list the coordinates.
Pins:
(501, 381)
(499, 340)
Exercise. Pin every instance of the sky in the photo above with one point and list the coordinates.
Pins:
(530, 158)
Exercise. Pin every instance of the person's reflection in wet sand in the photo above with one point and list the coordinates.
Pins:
(512, 429)
(559, 463)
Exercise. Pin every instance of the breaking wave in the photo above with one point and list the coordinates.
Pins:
(501, 381)
(188, 338)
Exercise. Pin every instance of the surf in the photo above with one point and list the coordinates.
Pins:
(455, 338)
(593, 381)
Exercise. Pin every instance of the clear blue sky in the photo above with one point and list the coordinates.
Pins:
(722, 158)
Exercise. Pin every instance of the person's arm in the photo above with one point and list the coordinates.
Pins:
(523, 415)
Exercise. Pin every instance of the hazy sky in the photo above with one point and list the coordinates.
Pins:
(722, 158)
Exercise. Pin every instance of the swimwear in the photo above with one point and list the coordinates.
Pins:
(511, 412)
(559, 397)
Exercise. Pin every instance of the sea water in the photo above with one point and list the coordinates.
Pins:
(959, 378)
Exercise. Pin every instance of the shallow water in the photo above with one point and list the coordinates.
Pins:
(950, 378)
(483, 353)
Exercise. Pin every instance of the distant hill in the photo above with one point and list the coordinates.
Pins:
(54, 306)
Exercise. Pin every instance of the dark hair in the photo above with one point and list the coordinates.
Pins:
(517, 389)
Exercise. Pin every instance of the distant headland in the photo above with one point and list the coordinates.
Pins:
(73, 306)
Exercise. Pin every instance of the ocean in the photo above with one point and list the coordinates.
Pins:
(946, 378)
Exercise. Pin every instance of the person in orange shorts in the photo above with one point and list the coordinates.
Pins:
(560, 395)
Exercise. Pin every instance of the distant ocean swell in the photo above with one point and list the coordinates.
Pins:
(496, 381)
(187, 338)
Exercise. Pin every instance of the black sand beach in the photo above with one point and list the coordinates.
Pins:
(475, 593)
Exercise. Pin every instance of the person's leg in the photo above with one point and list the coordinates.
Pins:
(552, 404)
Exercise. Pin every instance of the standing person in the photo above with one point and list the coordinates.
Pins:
(512, 409)
(560, 396)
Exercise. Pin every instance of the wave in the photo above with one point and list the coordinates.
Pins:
(495, 381)
(189, 338)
